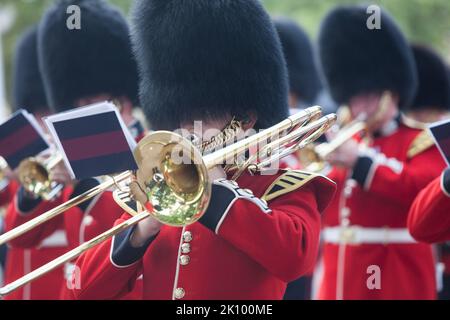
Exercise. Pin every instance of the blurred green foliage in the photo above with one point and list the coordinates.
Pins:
(426, 21)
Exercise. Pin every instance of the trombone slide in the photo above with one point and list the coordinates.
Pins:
(324, 149)
(20, 230)
(74, 253)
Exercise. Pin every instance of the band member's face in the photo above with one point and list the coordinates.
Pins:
(365, 104)
(369, 107)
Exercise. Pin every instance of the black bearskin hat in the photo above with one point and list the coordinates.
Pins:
(304, 79)
(434, 81)
(206, 59)
(357, 59)
(28, 90)
(95, 59)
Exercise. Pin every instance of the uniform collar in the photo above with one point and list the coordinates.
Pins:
(390, 128)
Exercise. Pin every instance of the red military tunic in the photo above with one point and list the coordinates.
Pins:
(21, 261)
(7, 194)
(365, 231)
(79, 226)
(299, 289)
(7, 190)
(240, 249)
(429, 217)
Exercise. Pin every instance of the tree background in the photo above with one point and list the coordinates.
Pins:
(425, 21)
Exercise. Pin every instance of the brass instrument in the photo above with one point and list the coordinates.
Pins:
(34, 176)
(314, 157)
(172, 181)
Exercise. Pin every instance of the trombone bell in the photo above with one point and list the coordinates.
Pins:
(35, 177)
(173, 178)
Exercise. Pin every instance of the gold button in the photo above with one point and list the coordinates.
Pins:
(184, 260)
(185, 248)
(345, 212)
(348, 191)
(179, 293)
(351, 183)
(87, 220)
(345, 222)
(187, 236)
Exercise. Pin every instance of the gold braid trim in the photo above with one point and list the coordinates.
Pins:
(421, 143)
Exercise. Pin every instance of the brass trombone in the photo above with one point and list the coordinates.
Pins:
(302, 118)
(34, 176)
(173, 177)
(313, 158)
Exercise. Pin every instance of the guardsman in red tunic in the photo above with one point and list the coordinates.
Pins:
(432, 104)
(368, 252)
(260, 231)
(29, 94)
(81, 67)
(305, 86)
(429, 219)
